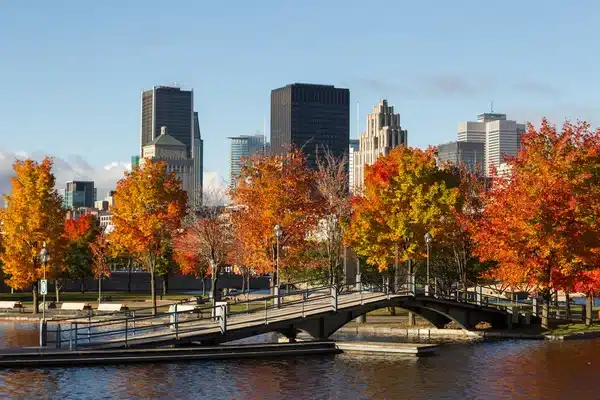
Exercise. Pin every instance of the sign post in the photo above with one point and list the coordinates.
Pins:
(44, 292)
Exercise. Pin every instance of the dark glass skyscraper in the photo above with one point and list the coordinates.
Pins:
(173, 108)
(312, 118)
(79, 194)
(170, 107)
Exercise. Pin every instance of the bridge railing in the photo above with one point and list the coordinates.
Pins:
(87, 331)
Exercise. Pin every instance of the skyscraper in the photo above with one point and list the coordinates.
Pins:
(173, 108)
(470, 154)
(79, 194)
(167, 149)
(198, 156)
(312, 118)
(170, 107)
(383, 134)
(353, 147)
(244, 146)
(501, 137)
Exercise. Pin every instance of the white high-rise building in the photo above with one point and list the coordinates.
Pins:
(501, 137)
(383, 134)
(171, 151)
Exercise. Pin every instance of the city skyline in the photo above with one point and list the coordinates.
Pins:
(82, 86)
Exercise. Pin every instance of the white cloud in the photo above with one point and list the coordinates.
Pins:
(73, 168)
(76, 168)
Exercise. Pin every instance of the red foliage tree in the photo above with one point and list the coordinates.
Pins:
(541, 224)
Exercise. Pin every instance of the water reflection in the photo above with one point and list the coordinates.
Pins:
(491, 370)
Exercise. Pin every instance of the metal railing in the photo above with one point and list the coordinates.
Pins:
(180, 322)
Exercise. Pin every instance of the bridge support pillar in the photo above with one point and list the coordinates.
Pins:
(411, 319)
(479, 295)
(358, 283)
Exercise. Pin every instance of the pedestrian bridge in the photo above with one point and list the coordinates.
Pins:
(318, 311)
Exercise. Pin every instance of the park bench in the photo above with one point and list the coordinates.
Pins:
(11, 305)
(75, 307)
(111, 307)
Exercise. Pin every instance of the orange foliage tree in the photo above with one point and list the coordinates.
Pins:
(275, 190)
(101, 259)
(78, 234)
(205, 244)
(149, 207)
(190, 264)
(405, 196)
(541, 224)
(34, 216)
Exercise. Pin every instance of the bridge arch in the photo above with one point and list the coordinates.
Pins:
(437, 312)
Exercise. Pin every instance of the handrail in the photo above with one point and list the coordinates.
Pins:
(211, 318)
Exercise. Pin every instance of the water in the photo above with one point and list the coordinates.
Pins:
(490, 370)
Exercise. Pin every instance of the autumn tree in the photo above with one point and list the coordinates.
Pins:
(335, 211)
(405, 196)
(149, 206)
(589, 284)
(275, 190)
(541, 223)
(78, 234)
(206, 241)
(34, 216)
(189, 263)
(101, 259)
(455, 247)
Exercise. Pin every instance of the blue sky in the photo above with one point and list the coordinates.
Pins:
(72, 71)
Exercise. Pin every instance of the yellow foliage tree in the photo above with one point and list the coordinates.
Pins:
(34, 216)
(406, 195)
(149, 207)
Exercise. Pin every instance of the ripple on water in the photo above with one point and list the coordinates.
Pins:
(490, 370)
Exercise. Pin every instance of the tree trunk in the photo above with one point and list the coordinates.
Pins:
(568, 302)
(589, 303)
(164, 285)
(82, 286)
(153, 289)
(213, 288)
(99, 290)
(57, 291)
(392, 311)
(243, 282)
(396, 288)
(129, 267)
(545, 311)
(36, 305)
(203, 286)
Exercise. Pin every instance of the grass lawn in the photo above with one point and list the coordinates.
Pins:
(91, 296)
(568, 329)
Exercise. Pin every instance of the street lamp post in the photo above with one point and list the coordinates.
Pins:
(428, 240)
(408, 263)
(44, 260)
(278, 232)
